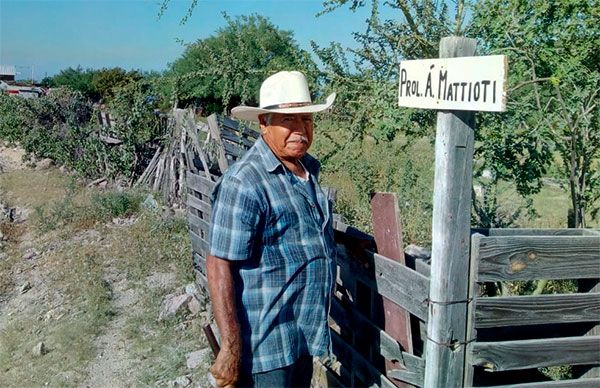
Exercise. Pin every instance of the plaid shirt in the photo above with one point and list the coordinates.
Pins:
(282, 243)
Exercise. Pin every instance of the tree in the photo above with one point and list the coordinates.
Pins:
(554, 86)
(227, 68)
(105, 81)
(77, 79)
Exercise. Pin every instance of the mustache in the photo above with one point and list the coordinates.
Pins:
(298, 139)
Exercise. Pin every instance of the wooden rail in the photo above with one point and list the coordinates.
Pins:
(499, 255)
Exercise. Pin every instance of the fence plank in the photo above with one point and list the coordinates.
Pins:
(400, 284)
(526, 354)
(200, 184)
(471, 333)
(579, 383)
(498, 232)
(198, 222)
(358, 364)
(198, 204)
(215, 133)
(199, 245)
(538, 309)
(389, 348)
(539, 257)
(387, 230)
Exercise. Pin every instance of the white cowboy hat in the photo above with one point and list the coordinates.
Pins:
(283, 92)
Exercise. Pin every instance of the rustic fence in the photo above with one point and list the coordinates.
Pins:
(382, 305)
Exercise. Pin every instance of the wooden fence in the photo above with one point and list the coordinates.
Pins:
(381, 305)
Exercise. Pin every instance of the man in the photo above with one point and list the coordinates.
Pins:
(271, 269)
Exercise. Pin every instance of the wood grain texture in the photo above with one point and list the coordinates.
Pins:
(538, 309)
(215, 133)
(387, 230)
(491, 232)
(471, 333)
(200, 184)
(351, 320)
(538, 257)
(579, 383)
(199, 245)
(538, 353)
(400, 284)
(451, 230)
(198, 204)
(360, 366)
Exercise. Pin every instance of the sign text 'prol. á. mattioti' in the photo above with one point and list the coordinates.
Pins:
(467, 83)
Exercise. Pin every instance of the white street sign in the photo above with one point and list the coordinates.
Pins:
(465, 83)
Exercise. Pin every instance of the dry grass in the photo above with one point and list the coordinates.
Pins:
(72, 301)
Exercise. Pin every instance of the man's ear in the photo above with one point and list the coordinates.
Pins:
(262, 124)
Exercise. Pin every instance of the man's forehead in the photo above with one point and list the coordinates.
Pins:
(292, 115)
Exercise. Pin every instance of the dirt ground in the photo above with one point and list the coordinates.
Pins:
(41, 289)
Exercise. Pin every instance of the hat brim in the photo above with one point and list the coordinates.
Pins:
(250, 113)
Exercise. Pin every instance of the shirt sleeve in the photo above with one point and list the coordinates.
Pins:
(235, 220)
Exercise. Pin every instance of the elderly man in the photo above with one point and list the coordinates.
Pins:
(270, 268)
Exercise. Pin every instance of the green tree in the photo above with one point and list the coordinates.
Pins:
(554, 85)
(105, 81)
(77, 79)
(227, 68)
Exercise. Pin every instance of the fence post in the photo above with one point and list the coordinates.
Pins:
(446, 327)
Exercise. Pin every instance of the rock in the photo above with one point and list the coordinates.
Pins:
(25, 287)
(2, 237)
(200, 357)
(161, 280)
(62, 169)
(44, 164)
(150, 203)
(192, 289)
(124, 221)
(3, 256)
(172, 304)
(39, 349)
(181, 381)
(194, 305)
(30, 254)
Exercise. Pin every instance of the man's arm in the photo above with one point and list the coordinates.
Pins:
(226, 368)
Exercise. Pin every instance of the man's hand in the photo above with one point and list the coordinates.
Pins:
(226, 369)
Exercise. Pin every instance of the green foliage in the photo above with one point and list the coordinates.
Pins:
(105, 81)
(553, 94)
(76, 79)
(102, 207)
(13, 113)
(227, 68)
(58, 126)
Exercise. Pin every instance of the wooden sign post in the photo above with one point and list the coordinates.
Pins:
(468, 84)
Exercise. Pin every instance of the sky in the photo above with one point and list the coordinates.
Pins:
(50, 35)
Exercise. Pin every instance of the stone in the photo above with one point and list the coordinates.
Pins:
(44, 164)
(39, 349)
(194, 305)
(192, 289)
(150, 203)
(181, 381)
(200, 357)
(25, 287)
(3, 256)
(30, 254)
(172, 304)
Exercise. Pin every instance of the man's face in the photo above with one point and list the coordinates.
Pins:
(288, 135)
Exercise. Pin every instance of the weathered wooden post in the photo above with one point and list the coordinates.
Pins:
(457, 87)
(451, 228)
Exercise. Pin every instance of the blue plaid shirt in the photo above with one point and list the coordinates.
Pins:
(264, 219)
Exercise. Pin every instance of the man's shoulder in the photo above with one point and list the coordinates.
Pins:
(248, 168)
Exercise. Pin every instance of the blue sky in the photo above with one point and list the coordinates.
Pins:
(51, 35)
